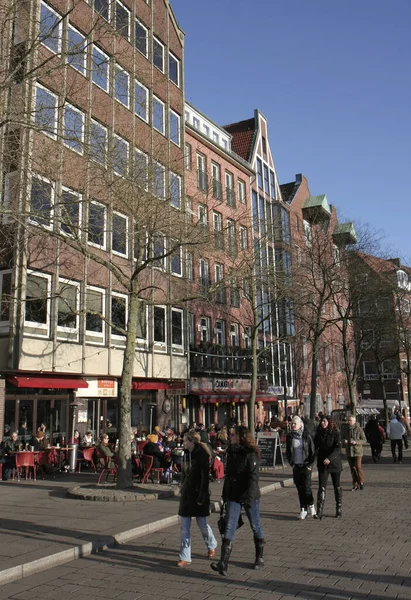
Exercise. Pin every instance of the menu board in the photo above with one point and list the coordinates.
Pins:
(267, 444)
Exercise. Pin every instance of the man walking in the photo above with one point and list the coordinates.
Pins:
(395, 431)
(353, 441)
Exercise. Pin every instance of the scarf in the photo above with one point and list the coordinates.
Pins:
(297, 434)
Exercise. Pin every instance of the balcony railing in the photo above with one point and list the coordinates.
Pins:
(217, 189)
(230, 194)
(212, 358)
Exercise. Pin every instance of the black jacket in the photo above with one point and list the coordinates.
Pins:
(308, 449)
(241, 475)
(328, 445)
(195, 491)
(151, 449)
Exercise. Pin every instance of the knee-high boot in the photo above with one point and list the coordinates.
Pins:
(338, 502)
(320, 502)
(222, 565)
(259, 553)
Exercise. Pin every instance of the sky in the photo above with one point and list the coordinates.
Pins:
(333, 78)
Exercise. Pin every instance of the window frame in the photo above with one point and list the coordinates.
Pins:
(242, 198)
(126, 143)
(160, 167)
(177, 348)
(59, 28)
(162, 46)
(137, 21)
(80, 144)
(160, 345)
(52, 132)
(43, 327)
(128, 12)
(96, 337)
(79, 197)
(175, 179)
(172, 115)
(102, 246)
(101, 127)
(81, 70)
(161, 105)
(5, 323)
(61, 328)
(172, 56)
(179, 252)
(32, 220)
(106, 62)
(118, 336)
(126, 235)
(146, 104)
(119, 69)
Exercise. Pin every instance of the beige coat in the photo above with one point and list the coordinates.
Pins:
(353, 433)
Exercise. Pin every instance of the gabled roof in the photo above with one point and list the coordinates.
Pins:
(289, 190)
(243, 134)
(382, 265)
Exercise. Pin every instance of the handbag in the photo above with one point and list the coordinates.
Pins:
(222, 521)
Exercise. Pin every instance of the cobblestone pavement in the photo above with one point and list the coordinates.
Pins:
(366, 555)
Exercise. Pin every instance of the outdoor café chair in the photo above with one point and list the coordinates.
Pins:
(42, 460)
(25, 460)
(148, 470)
(88, 457)
(106, 470)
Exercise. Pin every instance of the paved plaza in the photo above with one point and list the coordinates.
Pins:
(366, 555)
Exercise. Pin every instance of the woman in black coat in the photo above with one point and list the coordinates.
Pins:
(152, 449)
(195, 497)
(328, 446)
(241, 488)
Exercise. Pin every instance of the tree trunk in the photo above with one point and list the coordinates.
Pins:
(125, 478)
(253, 382)
(313, 392)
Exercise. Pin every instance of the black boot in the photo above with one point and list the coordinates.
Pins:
(222, 564)
(338, 502)
(320, 503)
(259, 553)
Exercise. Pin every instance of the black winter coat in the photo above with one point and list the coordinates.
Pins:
(151, 449)
(195, 494)
(328, 445)
(241, 475)
(308, 449)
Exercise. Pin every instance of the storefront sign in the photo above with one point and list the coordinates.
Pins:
(99, 388)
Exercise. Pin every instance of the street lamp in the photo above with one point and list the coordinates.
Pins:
(151, 407)
(399, 393)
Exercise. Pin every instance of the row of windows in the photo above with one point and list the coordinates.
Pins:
(266, 179)
(104, 229)
(93, 311)
(272, 220)
(230, 230)
(206, 129)
(218, 334)
(115, 12)
(216, 186)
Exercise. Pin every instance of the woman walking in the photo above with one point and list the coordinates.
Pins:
(354, 440)
(241, 488)
(300, 454)
(195, 497)
(328, 446)
(375, 437)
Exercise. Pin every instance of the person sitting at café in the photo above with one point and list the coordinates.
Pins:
(104, 449)
(152, 449)
(87, 440)
(76, 438)
(7, 459)
(39, 441)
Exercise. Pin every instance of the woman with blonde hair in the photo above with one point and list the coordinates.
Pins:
(195, 497)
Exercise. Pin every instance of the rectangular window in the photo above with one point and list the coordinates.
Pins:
(100, 67)
(243, 238)
(176, 262)
(98, 142)
(68, 306)
(95, 313)
(142, 321)
(50, 29)
(272, 184)
(6, 294)
(73, 124)
(216, 138)
(218, 230)
(216, 181)
(187, 156)
(159, 251)
(260, 174)
(205, 329)
(41, 202)
(219, 331)
(234, 293)
(121, 150)
(141, 39)
(159, 180)
(159, 328)
(119, 235)
(158, 115)
(174, 69)
(255, 210)
(123, 19)
(202, 214)
(241, 191)
(189, 266)
(174, 127)
(204, 272)
(37, 306)
(118, 314)
(121, 86)
(76, 50)
(141, 168)
(175, 190)
(96, 230)
(141, 101)
(158, 54)
(234, 335)
(231, 238)
(45, 115)
(266, 180)
(177, 329)
(229, 189)
(103, 8)
(70, 212)
(202, 179)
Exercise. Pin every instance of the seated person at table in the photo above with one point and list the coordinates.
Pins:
(152, 449)
(39, 440)
(169, 442)
(87, 440)
(105, 450)
(76, 439)
(8, 462)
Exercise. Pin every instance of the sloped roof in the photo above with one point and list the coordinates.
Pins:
(289, 190)
(243, 134)
(382, 265)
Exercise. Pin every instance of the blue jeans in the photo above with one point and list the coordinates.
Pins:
(185, 536)
(233, 514)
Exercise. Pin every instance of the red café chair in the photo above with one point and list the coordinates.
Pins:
(25, 460)
(88, 455)
(140, 446)
(106, 470)
(42, 459)
(148, 470)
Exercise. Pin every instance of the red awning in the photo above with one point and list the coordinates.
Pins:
(149, 385)
(55, 383)
(213, 397)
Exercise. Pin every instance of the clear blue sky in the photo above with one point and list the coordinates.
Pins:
(333, 77)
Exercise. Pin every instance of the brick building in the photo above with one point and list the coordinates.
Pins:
(93, 104)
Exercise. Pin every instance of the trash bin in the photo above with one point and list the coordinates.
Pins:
(72, 456)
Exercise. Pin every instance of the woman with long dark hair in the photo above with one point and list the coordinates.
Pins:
(241, 488)
(328, 446)
(195, 497)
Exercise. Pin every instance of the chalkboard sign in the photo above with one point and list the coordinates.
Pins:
(269, 443)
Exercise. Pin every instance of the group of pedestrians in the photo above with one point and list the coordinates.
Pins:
(241, 485)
